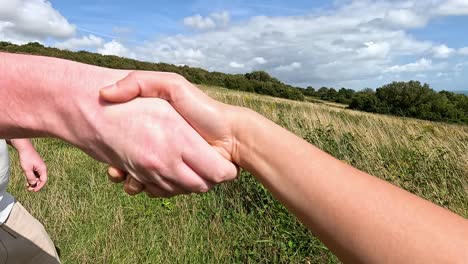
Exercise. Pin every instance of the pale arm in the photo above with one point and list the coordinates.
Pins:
(31, 162)
(49, 97)
(44, 96)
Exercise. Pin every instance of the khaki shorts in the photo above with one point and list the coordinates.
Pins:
(23, 239)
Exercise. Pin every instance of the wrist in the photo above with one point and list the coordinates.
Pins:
(79, 111)
(22, 145)
(243, 125)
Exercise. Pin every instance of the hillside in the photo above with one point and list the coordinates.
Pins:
(92, 221)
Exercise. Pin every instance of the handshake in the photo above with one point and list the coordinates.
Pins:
(159, 133)
(165, 137)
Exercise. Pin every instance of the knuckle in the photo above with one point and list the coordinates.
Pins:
(177, 80)
(132, 77)
(133, 74)
(151, 163)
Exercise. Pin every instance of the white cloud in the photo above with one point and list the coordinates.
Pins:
(356, 42)
(214, 20)
(90, 41)
(452, 7)
(32, 20)
(405, 18)
(463, 51)
(259, 60)
(236, 65)
(9, 35)
(115, 48)
(374, 50)
(199, 22)
(290, 67)
(341, 45)
(442, 51)
(418, 66)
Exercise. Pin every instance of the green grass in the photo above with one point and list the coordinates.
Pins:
(93, 221)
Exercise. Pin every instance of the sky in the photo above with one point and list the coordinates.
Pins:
(342, 43)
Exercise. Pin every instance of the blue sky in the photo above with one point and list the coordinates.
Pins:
(148, 19)
(350, 43)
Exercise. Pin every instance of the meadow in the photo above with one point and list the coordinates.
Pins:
(93, 221)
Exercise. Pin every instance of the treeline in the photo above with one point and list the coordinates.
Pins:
(342, 96)
(408, 99)
(257, 82)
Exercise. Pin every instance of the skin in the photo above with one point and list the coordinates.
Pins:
(361, 218)
(48, 97)
(32, 164)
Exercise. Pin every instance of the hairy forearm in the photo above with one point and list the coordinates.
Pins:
(48, 97)
(360, 217)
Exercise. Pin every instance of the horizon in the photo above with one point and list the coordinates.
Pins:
(352, 44)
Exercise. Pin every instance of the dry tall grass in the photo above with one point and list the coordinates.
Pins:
(92, 221)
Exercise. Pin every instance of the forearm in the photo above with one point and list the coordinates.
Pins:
(21, 145)
(44, 96)
(360, 217)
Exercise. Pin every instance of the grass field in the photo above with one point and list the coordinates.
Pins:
(92, 221)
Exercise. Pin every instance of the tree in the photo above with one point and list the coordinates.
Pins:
(345, 96)
(261, 76)
(365, 101)
(309, 91)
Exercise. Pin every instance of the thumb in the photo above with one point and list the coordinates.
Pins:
(31, 177)
(116, 175)
(122, 91)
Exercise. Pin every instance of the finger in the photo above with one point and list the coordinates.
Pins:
(132, 186)
(143, 84)
(163, 182)
(41, 174)
(31, 188)
(38, 186)
(31, 178)
(189, 180)
(122, 91)
(115, 175)
(153, 191)
(211, 165)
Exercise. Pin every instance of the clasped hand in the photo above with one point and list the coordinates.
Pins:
(185, 142)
